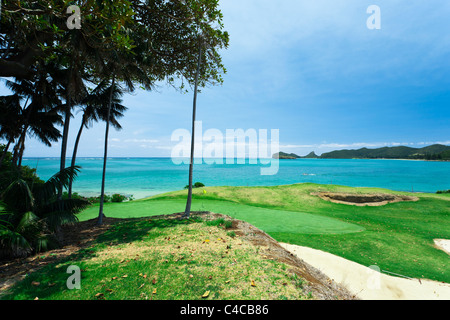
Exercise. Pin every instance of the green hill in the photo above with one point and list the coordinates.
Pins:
(445, 155)
(433, 152)
(311, 155)
(284, 155)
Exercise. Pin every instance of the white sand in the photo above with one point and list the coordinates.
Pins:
(443, 244)
(368, 284)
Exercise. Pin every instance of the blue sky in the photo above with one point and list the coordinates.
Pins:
(311, 69)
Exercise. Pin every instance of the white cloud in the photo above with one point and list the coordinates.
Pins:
(141, 141)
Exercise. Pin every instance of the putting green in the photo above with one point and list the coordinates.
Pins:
(268, 220)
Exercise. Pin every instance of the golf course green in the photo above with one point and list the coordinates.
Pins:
(397, 237)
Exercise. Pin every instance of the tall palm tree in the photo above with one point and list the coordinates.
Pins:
(105, 156)
(40, 116)
(11, 112)
(41, 126)
(95, 109)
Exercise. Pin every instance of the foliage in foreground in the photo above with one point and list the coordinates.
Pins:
(31, 214)
(164, 259)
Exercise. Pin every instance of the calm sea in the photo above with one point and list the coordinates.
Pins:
(142, 177)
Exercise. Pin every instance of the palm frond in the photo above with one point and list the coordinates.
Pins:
(18, 197)
(61, 179)
(56, 219)
(28, 219)
(13, 243)
(73, 206)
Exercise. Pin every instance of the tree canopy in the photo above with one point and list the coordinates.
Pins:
(159, 38)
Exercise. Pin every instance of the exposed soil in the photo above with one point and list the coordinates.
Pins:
(83, 234)
(377, 199)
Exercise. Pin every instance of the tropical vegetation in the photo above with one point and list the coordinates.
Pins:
(432, 152)
(55, 68)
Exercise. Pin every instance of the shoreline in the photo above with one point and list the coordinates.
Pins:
(130, 158)
(140, 195)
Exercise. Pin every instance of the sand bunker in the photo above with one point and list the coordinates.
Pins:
(367, 283)
(443, 244)
(355, 199)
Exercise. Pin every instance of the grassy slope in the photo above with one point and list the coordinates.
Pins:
(166, 260)
(398, 237)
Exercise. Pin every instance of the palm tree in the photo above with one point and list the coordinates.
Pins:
(39, 117)
(41, 125)
(95, 109)
(105, 156)
(11, 112)
(31, 214)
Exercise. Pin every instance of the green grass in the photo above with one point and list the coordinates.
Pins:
(162, 259)
(270, 220)
(397, 237)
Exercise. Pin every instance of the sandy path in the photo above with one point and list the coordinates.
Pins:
(368, 284)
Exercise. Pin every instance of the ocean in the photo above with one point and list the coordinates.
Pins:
(144, 177)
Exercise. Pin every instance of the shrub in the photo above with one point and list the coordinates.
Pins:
(195, 185)
(118, 198)
(231, 234)
(443, 191)
(220, 223)
(31, 214)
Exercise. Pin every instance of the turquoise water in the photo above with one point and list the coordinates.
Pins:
(144, 177)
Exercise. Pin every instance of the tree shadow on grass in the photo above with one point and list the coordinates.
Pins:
(51, 279)
(133, 230)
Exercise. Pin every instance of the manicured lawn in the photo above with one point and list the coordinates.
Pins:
(164, 259)
(269, 220)
(397, 237)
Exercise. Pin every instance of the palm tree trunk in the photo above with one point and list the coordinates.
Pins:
(105, 156)
(20, 143)
(16, 152)
(65, 136)
(187, 211)
(22, 149)
(18, 148)
(5, 151)
(74, 155)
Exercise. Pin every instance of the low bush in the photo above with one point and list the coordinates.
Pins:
(195, 185)
(118, 198)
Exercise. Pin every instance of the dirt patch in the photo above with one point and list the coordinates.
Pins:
(373, 199)
(83, 234)
(74, 238)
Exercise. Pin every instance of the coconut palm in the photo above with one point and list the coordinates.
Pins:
(95, 109)
(40, 125)
(39, 117)
(9, 130)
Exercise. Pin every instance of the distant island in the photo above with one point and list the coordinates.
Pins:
(433, 152)
(283, 155)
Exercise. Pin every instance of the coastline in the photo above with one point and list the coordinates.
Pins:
(399, 159)
(144, 177)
